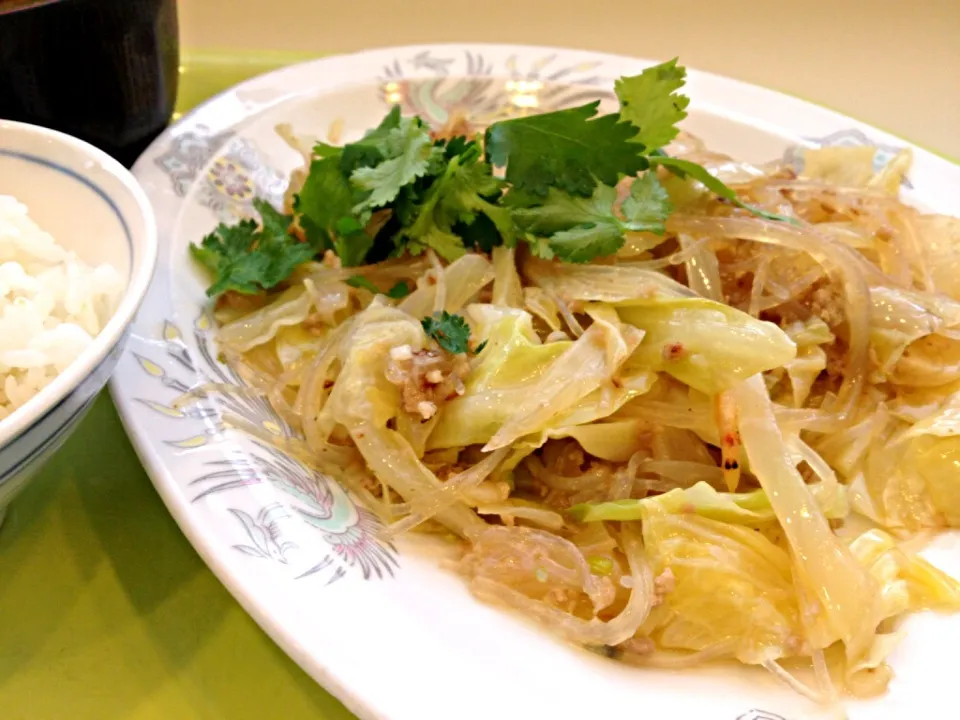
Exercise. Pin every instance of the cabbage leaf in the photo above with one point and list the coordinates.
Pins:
(705, 344)
(732, 586)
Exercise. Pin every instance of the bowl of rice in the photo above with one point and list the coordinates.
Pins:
(78, 247)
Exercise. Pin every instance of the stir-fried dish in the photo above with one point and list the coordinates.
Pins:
(674, 406)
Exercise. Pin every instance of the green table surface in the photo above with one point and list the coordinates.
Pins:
(106, 611)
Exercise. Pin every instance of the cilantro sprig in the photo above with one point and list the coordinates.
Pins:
(450, 331)
(568, 150)
(249, 257)
(579, 229)
(650, 102)
(465, 194)
(397, 190)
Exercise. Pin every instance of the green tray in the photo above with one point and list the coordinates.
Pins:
(205, 73)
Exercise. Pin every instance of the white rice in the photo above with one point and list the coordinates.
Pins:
(52, 305)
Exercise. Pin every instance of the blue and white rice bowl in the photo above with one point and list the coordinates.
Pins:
(95, 209)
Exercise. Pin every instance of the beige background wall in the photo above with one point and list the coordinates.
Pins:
(893, 63)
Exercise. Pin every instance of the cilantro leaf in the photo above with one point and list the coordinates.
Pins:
(369, 150)
(648, 205)
(649, 102)
(581, 229)
(248, 257)
(343, 185)
(443, 242)
(323, 150)
(225, 245)
(540, 246)
(325, 199)
(326, 195)
(684, 168)
(583, 243)
(458, 196)
(275, 224)
(351, 242)
(326, 207)
(463, 192)
(561, 211)
(400, 290)
(565, 149)
(450, 331)
(407, 152)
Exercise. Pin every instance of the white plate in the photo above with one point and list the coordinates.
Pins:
(388, 631)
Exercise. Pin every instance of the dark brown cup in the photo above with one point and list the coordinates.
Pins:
(102, 70)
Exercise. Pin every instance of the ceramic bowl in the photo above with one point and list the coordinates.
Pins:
(93, 206)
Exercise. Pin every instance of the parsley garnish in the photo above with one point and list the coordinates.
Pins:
(407, 151)
(344, 185)
(568, 150)
(450, 331)
(398, 191)
(324, 210)
(248, 257)
(458, 196)
(580, 229)
(367, 151)
(649, 102)
(398, 291)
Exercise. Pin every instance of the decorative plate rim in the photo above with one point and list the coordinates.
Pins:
(234, 108)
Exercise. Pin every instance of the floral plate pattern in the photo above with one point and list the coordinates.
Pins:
(347, 534)
(297, 551)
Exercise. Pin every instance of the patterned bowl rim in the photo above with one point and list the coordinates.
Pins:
(143, 250)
